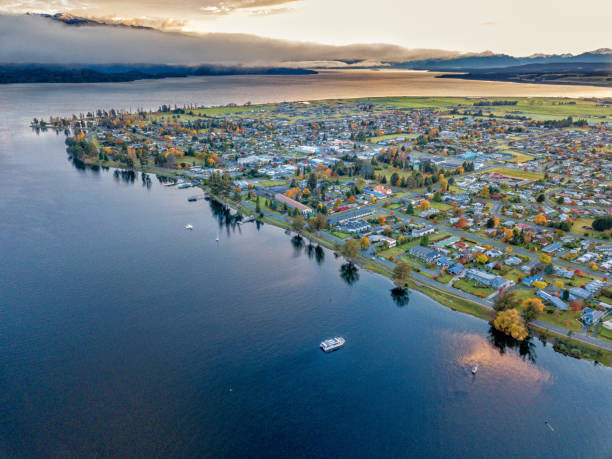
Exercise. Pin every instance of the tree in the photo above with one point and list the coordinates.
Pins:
(576, 305)
(541, 198)
(394, 179)
(533, 306)
(425, 205)
(602, 223)
(482, 258)
(544, 258)
(401, 272)
(318, 222)
(364, 242)
(424, 240)
(410, 209)
(539, 285)
(350, 248)
(506, 300)
(298, 223)
(257, 206)
(511, 323)
(540, 219)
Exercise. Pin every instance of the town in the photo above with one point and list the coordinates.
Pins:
(503, 204)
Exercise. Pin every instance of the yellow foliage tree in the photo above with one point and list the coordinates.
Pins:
(364, 242)
(535, 302)
(540, 219)
(539, 285)
(559, 283)
(511, 323)
(482, 258)
(425, 205)
(544, 258)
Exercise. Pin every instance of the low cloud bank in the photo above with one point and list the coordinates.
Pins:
(27, 39)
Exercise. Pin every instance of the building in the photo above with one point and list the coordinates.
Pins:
(422, 231)
(488, 279)
(384, 239)
(382, 190)
(425, 254)
(303, 209)
(590, 316)
(354, 214)
(355, 226)
(557, 302)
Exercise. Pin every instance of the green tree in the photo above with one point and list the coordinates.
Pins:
(506, 300)
(401, 272)
(298, 222)
(350, 248)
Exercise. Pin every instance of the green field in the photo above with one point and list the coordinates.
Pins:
(517, 173)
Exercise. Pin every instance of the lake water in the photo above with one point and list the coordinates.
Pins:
(122, 334)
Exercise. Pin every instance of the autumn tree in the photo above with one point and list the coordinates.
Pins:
(364, 242)
(540, 219)
(511, 323)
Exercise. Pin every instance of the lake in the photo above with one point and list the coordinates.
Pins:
(124, 335)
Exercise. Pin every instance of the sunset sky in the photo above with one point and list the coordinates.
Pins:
(518, 27)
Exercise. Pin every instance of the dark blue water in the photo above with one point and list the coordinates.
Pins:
(122, 334)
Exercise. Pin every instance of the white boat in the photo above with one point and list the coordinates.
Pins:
(474, 369)
(332, 344)
(188, 227)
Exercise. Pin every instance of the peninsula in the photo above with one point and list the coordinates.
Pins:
(497, 207)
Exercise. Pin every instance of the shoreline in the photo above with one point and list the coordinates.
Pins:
(446, 299)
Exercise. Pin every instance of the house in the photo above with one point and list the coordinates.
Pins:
(512, 261)
(382, 190)
(487, 279)
(557, 302)
(528, 281)
(590, 316)
(384, 239)
(425, 254)
(550, 248)
(303, 209)
(422, 231)
(444, 261)
(455, 269)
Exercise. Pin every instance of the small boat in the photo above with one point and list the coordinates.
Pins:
(192, 199)
(188, 227)
(474, 369)
(217, 237)
(183, 185)
(332, 344)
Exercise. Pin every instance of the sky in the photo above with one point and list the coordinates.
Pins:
(517, 27)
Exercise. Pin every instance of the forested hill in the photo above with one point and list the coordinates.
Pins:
(40, 73)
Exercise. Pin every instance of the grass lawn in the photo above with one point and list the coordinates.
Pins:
(394, 206)
(604, 334)
(517, 173)
(441, 205)
(469, 286)
(387, 137)
(444, 278)
(398, 249)
(578, 227)
(518, 157)
(340, 234)
(272, 182)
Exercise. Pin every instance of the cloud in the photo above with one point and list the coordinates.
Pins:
(143, 8)
(28, 39)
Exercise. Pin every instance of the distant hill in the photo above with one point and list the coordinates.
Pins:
(43, 73)
(491, 61)
(576, 73)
